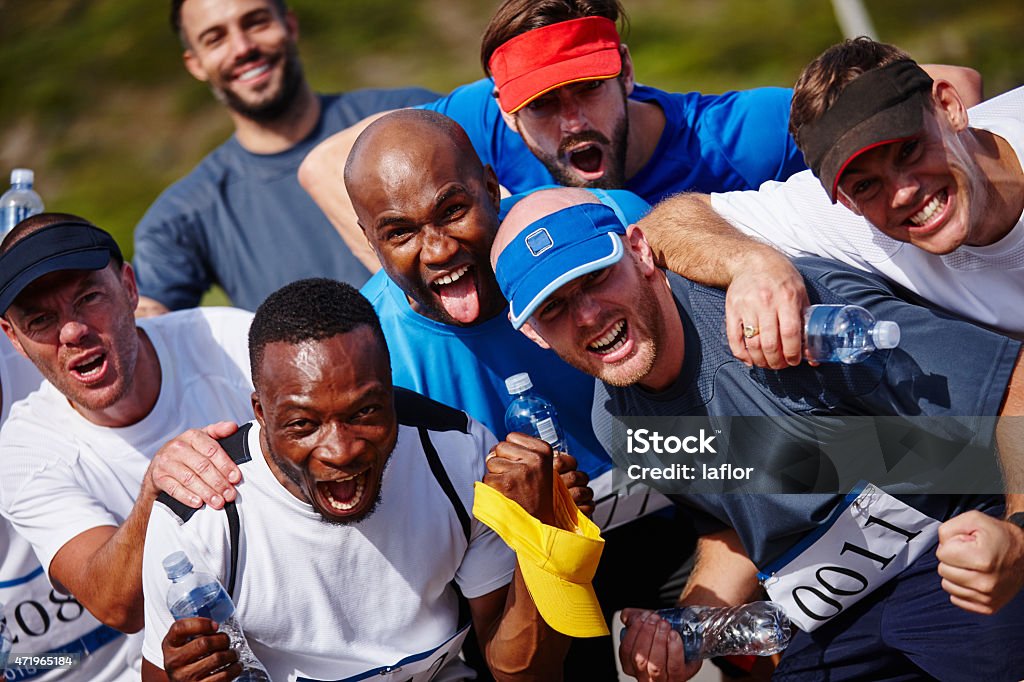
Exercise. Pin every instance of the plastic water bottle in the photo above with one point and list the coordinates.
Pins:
(845, 333)
(760, 628)
(20, 201)
(194, 593)
(6, 642)
(531, 414)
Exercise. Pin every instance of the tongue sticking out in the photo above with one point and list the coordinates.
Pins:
(587, 160)
(460, 299)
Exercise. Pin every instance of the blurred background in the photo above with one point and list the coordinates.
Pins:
(96, 101)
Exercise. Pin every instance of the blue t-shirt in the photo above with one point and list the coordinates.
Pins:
(711, 143)
(946, 374)
(241, 220)
(466, 367)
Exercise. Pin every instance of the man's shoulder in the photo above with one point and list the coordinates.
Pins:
(418, 411)
(341, 110)
(223, 323)
(195, 190)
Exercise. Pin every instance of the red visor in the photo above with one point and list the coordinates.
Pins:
(543, 59)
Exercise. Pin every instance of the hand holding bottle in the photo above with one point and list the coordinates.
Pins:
(194, 648)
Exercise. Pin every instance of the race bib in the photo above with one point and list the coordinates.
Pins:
(866, 544)
(421, 667)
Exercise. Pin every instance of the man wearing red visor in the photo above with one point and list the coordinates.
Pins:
(563, 82)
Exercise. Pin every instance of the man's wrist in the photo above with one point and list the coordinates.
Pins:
(1017, 519)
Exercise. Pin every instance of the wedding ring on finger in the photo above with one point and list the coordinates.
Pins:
(750, 331)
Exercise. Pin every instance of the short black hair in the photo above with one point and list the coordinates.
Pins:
(309, 310)
(280, 5)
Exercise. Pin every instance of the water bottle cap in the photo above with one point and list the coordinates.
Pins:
(885, 334)
(177, 564)
(22, 176)
(517, 383)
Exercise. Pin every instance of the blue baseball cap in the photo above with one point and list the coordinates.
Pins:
(67, 245)
(555, 250)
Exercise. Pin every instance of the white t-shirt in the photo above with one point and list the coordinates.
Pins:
(40, 619)
(984, 284)
(64, 475)
(324, 601)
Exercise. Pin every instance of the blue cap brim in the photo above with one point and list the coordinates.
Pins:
(553, 251)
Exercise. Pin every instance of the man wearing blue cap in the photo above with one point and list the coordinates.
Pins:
(79, 470)
(584, 284)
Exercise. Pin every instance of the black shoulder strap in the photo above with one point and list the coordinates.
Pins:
(237, 447)
(437, 468)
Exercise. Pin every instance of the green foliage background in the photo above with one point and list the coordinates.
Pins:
(94, 98)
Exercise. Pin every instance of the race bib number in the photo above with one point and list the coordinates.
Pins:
(421, 667)
(869, 543)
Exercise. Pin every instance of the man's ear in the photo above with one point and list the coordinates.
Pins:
(129, 283)
(628, 77)
(291, 22)
(9, 331)
(193, 66)
(948, 103)
(532, 334)
(509, 119)
(257, 409)
(841, 198)
(641, 250)
(493, 186)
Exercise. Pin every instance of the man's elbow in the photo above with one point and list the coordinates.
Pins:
(125, 618)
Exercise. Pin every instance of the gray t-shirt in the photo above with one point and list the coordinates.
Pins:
(944, 375)
(241, 220)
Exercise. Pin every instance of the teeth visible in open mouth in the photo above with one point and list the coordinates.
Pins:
(254, 73)
(925, 214)
(454, 277)
(611, 341)
(90, 368)
(356, 498)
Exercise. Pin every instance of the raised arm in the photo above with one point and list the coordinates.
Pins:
(966, 81)
(322, 175)
(764, 291)
(516, 641)
(981, 557)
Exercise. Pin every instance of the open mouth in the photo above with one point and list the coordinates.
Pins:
(458, 293)
(345, 494)
(612, 340)
(90, 369)
(932, 212)
(588, 160)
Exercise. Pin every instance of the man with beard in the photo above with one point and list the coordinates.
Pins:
(355, 546)
(430, 211)
(240, 218)
(79, 473)
(654, 341)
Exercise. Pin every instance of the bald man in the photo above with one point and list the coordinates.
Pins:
(654, 340)
(429, 209)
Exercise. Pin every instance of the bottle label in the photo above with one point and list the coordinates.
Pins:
(863, 546)
(547, 431)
